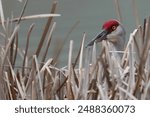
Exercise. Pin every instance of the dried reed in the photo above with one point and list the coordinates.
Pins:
(92, 76)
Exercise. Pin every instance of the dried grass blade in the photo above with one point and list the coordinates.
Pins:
(144, 30)
(48, 43)
(46, 64)
(16, 48)
(147, 32)
(83, 81)
(132, 69)
(81, 56)
(12, 51)
(7, 48)
(129, 42)
(138, 44)
(127, 93)
(38, 78)
(102, 94)
(146, 92)
(35, 17)
(22, 12)
(94, 54)
(146, 46)
(27, 47)
(2, 15)
(69, 92)
(8, 85)
(46, 29)
(22, 93)
(147, 67)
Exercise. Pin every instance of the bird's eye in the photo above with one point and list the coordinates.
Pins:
(114, 27)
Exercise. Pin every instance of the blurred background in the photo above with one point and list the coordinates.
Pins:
(88, 14)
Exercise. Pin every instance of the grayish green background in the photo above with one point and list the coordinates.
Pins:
(91, 14)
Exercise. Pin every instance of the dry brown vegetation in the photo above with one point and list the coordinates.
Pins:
(88, 77)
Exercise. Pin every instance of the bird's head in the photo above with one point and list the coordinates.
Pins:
(112, 31)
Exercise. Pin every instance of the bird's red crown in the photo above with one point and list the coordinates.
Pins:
(110, 25)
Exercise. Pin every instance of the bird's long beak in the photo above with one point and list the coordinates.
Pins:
(98, 38)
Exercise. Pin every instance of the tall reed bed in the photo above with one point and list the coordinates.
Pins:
(93, 75)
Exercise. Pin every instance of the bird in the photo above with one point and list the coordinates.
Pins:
(114, 33)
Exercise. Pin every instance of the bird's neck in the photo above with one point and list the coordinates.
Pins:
(118, 43)
(115, 48)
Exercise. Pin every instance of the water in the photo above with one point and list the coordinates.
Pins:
(90, 13)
